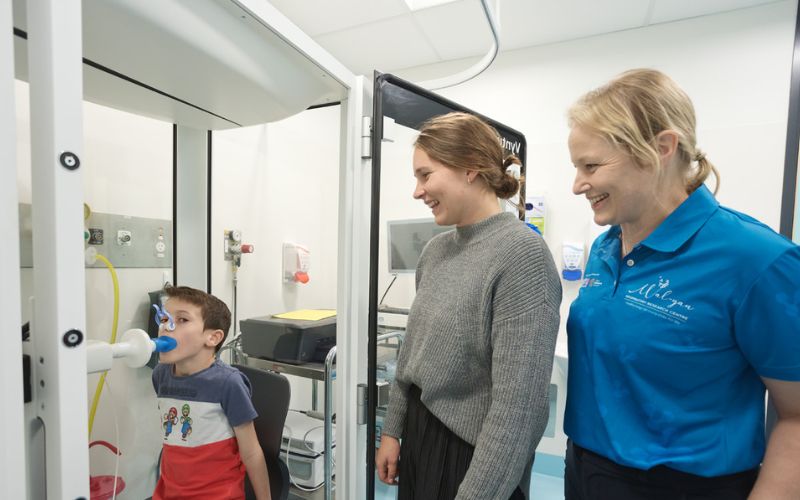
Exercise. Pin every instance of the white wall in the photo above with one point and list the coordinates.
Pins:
(278, 183)
(736, 67)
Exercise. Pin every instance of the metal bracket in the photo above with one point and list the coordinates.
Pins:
(383, 393)
(26, 378)
(361, 400)
(366, 137)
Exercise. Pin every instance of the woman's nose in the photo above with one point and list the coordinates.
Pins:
(579, 185)
(418, 192)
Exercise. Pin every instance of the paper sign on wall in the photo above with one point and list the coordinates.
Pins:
(535, 212)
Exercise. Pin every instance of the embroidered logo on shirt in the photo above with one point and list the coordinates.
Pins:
(658, 299)
(590, 282)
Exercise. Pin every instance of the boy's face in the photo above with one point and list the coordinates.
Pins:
(195, 343)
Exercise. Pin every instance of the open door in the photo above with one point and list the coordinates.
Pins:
(400, 108)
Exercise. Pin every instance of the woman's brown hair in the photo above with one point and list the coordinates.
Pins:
(465, 142)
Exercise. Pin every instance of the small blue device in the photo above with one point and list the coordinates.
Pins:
(165, 344)
(162, 313)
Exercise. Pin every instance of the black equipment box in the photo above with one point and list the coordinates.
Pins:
(288, 340)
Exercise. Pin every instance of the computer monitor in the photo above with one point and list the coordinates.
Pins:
(405, 241)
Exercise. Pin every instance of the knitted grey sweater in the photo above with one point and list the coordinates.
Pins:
(479, 344)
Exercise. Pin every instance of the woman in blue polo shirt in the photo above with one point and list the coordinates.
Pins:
(687, 312)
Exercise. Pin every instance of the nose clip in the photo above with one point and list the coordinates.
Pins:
(162, 313)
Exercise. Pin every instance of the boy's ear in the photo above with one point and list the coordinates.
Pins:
(215, 338)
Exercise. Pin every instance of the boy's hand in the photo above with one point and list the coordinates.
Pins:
(387, 459)
(253, 458)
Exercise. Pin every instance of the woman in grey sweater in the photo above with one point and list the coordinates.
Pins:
(470, 397)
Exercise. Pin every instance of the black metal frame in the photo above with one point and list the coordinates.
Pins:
(789, 198)
(410, 106)
(792, 141)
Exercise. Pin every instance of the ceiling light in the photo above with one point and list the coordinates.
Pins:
(426, 4)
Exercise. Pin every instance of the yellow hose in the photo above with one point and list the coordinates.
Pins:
(113, 339)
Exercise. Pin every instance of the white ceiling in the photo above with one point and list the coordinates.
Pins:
(385, 34)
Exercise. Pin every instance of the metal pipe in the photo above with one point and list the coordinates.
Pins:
(488, 59)
(330, 376)
(314, 396)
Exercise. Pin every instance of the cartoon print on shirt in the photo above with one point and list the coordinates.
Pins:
(793, 307)
(186, 421)
(170, 419)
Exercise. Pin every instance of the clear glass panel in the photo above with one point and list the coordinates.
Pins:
(400, 109)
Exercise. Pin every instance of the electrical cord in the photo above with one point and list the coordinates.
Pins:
(116, 428)
(314, 414)
(316, 455)
(387, 290)
(113, 338)
(235, 347)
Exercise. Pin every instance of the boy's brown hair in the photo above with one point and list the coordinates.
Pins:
(216, 315)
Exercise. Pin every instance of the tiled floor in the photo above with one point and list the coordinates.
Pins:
(546, 487)
(298, 494)
(543, 487)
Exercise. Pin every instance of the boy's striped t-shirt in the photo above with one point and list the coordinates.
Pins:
(200, 457)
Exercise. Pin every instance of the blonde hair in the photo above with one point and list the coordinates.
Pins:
(633, 108)
(465, 142)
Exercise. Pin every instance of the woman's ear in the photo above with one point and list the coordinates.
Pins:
(667, 145)
(471, 176)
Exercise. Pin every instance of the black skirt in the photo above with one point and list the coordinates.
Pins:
(433, 459)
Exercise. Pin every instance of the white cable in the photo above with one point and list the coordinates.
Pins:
(305, 443)
(488, 59)
(116, 427)
(289, 470)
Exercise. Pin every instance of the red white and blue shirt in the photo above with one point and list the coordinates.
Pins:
(667, 345)
(200, 458)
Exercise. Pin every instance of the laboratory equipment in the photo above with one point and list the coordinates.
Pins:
(406, 238)
(288, 340)
(136, 347)
(304, 447)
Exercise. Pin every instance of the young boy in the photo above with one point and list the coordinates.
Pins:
(207, 415)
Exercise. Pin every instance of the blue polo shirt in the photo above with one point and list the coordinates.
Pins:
(667, 345)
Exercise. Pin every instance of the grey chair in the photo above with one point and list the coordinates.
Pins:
(271, 393)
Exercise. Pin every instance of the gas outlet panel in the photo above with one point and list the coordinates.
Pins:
(126, 241)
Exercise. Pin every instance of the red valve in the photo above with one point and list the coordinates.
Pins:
(248, 248)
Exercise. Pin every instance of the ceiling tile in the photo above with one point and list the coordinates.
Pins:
(673, 10)
(386, 46)
(316, 17)
(456, 30)
(526, 23)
